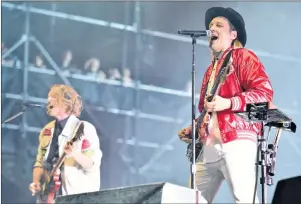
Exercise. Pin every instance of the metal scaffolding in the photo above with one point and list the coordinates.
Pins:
(132, 29)
(27, 39)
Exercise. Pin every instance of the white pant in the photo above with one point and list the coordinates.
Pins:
(237, 167)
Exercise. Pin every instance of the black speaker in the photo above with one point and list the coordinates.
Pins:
(288, 191)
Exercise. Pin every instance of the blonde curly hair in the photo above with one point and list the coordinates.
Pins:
(65, 97)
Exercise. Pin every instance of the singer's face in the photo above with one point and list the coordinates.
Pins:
(223, 36)
(52, 110)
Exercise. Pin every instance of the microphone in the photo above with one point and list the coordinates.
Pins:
(196, 33)
(28, 105)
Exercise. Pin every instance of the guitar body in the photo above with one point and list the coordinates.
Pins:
(201, 129)
(49, 189)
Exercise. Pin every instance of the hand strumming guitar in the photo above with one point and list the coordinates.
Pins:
(35, 187)
(218, 104)
(184, 132)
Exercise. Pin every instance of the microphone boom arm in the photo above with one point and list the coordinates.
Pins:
(196, 33)
(24, 109)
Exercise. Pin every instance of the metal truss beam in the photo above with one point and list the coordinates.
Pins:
(158, 154)
(133, 29)
(129, 142)
(112, 82)
(110, 110)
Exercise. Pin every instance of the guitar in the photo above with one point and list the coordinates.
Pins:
(50, 181)
(204, 118)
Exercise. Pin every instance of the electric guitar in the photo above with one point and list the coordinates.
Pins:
(204, 118)
(50, 181)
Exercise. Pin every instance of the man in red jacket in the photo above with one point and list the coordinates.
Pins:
(230, 143)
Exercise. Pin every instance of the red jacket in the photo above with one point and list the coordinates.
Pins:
(247, 83)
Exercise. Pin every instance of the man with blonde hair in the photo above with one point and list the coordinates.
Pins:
(229, 144)
(80, 171)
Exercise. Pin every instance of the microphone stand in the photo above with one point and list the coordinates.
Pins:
(268, 161)
(263, 163)
(194, 35)
(272, 149)
(193, 165)
(24, 109)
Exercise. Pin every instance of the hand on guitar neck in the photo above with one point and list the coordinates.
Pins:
(69, 148)
(218, 104)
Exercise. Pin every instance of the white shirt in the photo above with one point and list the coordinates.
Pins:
(75, 179)
(213, 151)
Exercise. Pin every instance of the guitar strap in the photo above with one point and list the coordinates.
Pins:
(54, 150)
(226, 60)
(54, 146)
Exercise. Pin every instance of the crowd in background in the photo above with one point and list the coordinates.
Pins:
(92, 67)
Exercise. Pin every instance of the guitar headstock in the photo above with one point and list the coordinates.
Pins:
(79, 133)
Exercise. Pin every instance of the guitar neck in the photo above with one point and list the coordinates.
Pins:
(215, 87)
(76, 136)
(58, 164)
